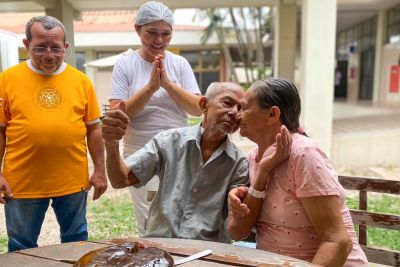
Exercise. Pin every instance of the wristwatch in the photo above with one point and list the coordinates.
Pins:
(255, 193)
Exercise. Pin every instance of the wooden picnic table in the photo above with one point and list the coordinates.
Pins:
(223, 254)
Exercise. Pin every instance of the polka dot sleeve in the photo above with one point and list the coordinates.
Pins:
(313, 173)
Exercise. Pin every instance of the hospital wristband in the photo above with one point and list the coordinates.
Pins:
(255, 193)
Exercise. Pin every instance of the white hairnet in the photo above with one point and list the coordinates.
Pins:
(154, 11)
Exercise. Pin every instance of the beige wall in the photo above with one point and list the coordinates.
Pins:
(366, 149)
(390, 56)
(102, 85)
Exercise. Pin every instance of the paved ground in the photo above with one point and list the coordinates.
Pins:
(367, 123)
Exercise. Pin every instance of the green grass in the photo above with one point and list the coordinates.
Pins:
(3, 244)
(379, 237)
(111, 218)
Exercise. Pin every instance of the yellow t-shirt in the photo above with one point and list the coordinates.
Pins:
(46, 118)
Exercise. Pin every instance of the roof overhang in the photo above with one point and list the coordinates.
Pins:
(350, 12)
(86, 5)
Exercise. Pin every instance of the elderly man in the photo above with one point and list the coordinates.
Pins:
(47, 110)
(197, 166)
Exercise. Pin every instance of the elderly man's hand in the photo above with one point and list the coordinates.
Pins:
(236, 207)
(99, 181)
(5, 190)
(115, 123)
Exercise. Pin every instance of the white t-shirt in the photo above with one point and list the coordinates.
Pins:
(131, 73)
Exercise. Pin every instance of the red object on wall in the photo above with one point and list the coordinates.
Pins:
(394, 79)
(352, 73)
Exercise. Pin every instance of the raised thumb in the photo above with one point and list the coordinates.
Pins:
(122, 106)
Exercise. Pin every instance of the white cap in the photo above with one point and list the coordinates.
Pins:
(154, 11)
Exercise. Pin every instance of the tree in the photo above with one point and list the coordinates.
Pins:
(250, 25)
(215, 26)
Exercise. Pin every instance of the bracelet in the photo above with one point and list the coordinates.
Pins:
(255, 193)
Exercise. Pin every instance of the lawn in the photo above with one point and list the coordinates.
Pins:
(3, 244)
(379, 237)
(111, 218)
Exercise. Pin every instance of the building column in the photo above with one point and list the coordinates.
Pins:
(318, 35)
(64, 11)
(381, 28)
(285, 39)
(8, 50)
(90, 55)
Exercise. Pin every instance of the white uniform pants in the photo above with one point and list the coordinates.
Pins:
(142, 197)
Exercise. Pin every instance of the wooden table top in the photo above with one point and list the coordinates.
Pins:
(223, 254)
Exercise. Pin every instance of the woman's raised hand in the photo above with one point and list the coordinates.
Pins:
(281, 150)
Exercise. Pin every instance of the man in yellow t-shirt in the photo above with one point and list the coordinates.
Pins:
(48, 110)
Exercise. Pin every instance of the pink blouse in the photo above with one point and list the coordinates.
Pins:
(283, 226)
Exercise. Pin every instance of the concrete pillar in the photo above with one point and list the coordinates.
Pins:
(353, 78)
(8, 50)
(285, 39)
(318, 35)
(380, 42)
(64, 11)
(90, 55)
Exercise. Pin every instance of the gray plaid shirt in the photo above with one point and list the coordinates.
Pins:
(191, 201)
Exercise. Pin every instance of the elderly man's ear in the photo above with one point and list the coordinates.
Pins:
(203, 104)
(26, 43)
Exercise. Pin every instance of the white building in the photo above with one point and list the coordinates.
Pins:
(358, 38)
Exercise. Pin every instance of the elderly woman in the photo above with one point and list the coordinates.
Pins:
(295, 201)
(159, 88)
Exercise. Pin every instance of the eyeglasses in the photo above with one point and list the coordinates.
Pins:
(41, 50)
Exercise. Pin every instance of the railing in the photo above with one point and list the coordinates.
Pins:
(365, 218)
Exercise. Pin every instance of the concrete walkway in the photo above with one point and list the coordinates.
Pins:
(365, 135)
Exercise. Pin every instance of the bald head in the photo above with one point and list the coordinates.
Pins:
(220, 106)
(217, 87)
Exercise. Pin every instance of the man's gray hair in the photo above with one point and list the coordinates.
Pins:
(214, 87)
(48, 22)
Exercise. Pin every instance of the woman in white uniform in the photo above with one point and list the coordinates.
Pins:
(159, 89)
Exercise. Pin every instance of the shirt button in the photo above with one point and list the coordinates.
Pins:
(194, 190)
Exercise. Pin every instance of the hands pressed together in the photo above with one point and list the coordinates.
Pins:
(159, 77)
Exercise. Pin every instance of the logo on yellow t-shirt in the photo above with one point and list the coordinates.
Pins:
(48, 97)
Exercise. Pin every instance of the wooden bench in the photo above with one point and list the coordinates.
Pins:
(365, 218)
